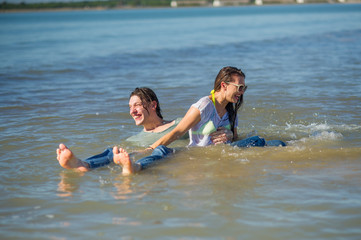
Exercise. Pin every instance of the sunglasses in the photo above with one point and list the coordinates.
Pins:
(240, 87)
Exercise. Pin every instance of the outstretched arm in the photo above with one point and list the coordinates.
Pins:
(192, 117)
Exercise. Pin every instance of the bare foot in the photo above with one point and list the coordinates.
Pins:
(68, 160)
(122, 158)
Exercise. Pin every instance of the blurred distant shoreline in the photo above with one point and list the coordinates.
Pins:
(135, 4)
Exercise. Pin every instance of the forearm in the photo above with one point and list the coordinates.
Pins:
(192, 117)
(167, 139)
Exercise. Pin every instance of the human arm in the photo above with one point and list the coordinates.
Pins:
(192, 117)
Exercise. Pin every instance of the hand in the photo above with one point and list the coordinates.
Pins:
(222, 135)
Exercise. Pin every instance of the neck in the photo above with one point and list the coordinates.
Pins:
(153, 125)
(221, 101)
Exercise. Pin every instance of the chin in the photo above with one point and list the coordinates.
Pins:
(138, 122)
(236, 99)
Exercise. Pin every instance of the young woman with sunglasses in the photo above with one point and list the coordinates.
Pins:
(218, 110)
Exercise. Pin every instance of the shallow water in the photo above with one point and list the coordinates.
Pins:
(66, 77)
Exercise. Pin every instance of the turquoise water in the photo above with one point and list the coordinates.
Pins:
(66, 77)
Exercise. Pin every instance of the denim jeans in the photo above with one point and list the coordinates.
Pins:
(161, 151)
(257, 141)
(106, 157)
(100, 160)
(158, 153)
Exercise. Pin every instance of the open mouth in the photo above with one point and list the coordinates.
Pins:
(136, 117)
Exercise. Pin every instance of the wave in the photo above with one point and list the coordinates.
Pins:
(312, 127)
(323, 134)
(309, 134)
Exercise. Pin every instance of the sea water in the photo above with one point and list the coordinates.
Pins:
(65, 77)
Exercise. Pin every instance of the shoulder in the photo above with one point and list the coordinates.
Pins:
(169, 125)
(204, 99)
(203, 103)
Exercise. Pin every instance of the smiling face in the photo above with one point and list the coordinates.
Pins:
(230, 81)
(234, 89)
(137, 110)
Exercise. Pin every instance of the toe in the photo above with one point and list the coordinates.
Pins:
(115, 150)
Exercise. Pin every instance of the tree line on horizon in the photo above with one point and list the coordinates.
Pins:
(85, 4)
(111, 4)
